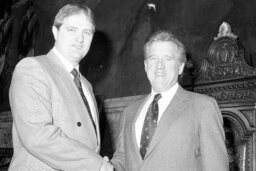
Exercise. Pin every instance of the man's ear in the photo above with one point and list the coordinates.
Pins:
(181, 67)
(145, 65)
(55, 32)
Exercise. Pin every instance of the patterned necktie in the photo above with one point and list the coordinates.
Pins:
(149, 126)
(79, 86)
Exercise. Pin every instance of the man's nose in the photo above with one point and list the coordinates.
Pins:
(160, 63)
(80, 37)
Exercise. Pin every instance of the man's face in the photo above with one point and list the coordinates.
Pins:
(73, 38)
(162, 65)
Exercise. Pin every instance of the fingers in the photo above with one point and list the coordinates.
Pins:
(106, 158)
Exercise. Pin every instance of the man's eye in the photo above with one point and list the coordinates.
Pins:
(88, 33)
(168, 58)
(71, 30)
(152, 58)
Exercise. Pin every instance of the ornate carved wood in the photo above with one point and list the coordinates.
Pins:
(227, 77)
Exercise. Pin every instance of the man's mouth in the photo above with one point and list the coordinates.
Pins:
(159, 74)
(77, 46)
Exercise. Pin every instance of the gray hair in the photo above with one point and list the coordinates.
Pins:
(73, 9)
(162, 36)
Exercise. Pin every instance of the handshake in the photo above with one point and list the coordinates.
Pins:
(106, 165)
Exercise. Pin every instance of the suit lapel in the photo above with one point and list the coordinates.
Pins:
(56, 64)
(134, 113)
(171, 114)
(63, 76)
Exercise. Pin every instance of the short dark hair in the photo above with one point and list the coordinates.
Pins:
(72, 9)
(167, 36)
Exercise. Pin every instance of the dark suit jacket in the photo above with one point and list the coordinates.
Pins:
(189, 137)
(46, 108)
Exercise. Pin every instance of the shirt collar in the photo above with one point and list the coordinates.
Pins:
(168, 93)
(69, 67)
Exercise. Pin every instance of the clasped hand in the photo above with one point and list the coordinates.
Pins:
(106, 165)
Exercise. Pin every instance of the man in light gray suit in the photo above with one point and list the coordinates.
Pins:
(55, 116)
(171, 129)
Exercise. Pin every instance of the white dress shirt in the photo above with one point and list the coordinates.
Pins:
(163, 103)
(69, 68)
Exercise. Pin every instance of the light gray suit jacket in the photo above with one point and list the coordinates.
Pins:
(51, 127)
(189, 137)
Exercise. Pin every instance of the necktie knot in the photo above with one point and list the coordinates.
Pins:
(74, 72)
(77, 81)
(157, 97)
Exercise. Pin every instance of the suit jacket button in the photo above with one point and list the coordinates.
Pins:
(79, 124)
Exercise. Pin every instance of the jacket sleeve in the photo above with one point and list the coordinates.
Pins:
(212, 139)
(30, 100)
(118, 159)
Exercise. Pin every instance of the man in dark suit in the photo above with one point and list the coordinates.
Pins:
(171, 129)
(55, 116)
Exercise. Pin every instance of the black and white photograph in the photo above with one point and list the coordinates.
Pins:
(127, 85)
